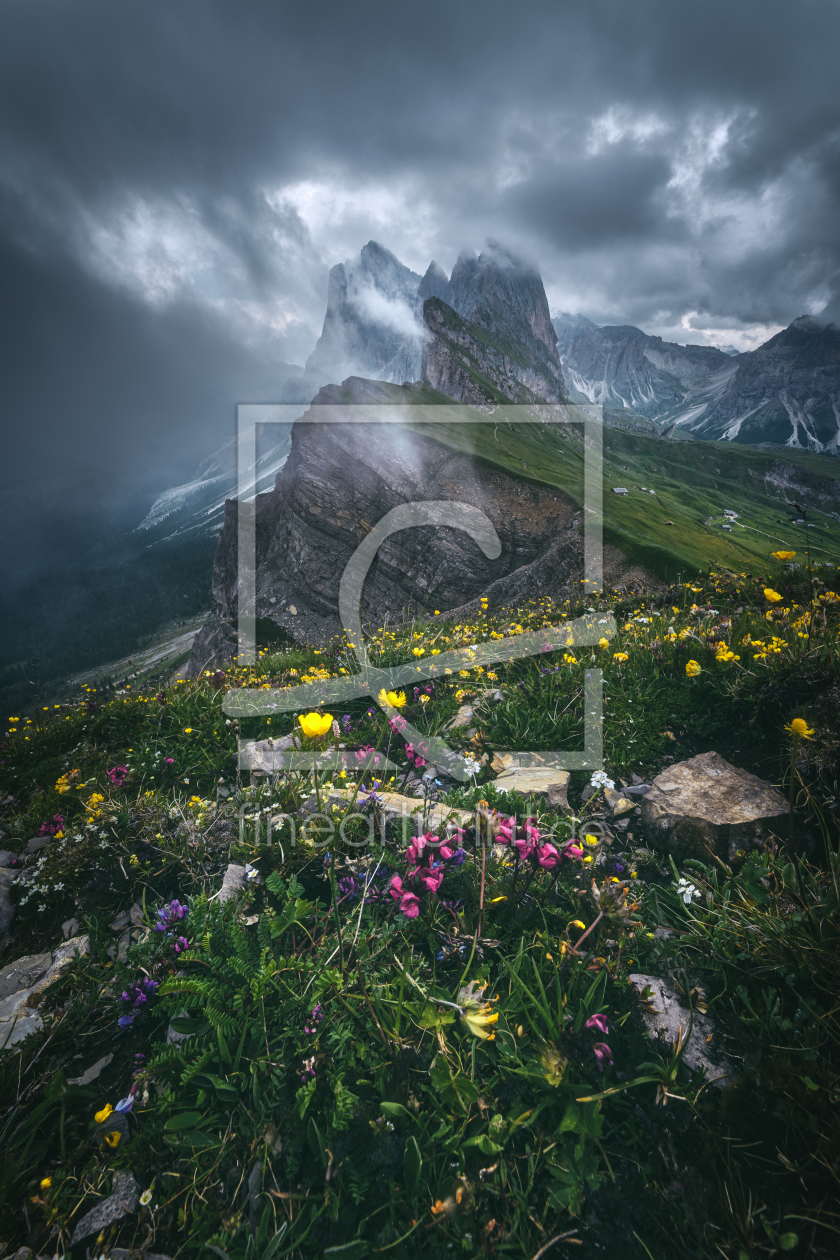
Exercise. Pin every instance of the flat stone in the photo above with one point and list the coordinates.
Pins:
(536, 781)
(69, 927)
(7, 908)
(120, 950)
(92, 1073)
(23, 973)
(122, 920)
(265, 756)
(7, 857)
(618, 803)
(705, 804)
(664, 1015)
(462, 718)
(234, 881)
(18, 1016)
(37, 843)
(124, 1199)
(395, 805)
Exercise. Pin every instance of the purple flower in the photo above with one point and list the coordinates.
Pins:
(169, 916)
(125, 1104)
(181, 944)
(316, 1016)
(138, 994)
(603, 1055)
(599, 1022)
(125, 1021)
(117, 775)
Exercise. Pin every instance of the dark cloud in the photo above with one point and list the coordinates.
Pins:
(177, 179)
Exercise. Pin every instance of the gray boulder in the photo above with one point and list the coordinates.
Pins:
(665, 1016)
(124, 1199)
(23, 982)
(707, 805)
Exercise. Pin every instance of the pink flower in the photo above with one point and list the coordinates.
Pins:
(415, 849)
(572, 850)
(524, 848)
(548, 857)
(431, 880)
(408, 902)
(599, 1022)
(603, 1055)
(445, 852)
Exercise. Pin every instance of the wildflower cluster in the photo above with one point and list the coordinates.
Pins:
(424, 874)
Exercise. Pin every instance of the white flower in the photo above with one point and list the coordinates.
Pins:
(599, 780)
(146, 1198)
(471, 765)
(687, 890)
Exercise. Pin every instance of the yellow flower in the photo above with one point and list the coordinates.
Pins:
(569, 659)
(799, 727)
(479, 1021)
(112, 1139)
(620, 657)
(588, 858)
(783, 555)
(46, 1182)
(693, 668)
(315, 724)
(187, 730)
(419, 651)
(590, 840)
(578, 923)
(773, 596)
(103, 1115)
(395, 698)
(603, 643)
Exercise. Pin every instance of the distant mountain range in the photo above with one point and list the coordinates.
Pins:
(483, 335)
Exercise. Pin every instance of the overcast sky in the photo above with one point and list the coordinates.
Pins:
(177, 177)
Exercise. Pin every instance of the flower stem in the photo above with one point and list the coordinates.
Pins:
(588, 930)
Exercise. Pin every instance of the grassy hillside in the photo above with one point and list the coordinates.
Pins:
(331, 1065)
(678, 529)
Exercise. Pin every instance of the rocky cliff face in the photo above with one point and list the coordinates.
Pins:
(621, 366)
(466, 362)
(339, 480)
(785, 392)
(371, 327)
(375, 327)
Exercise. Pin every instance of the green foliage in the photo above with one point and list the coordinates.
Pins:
(305, 1095)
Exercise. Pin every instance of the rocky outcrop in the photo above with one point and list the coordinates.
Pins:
(339, 480)
(669, 1021)
(370, 327)
(22, 984)
(468, 363)
(374, 324)
(705, 805)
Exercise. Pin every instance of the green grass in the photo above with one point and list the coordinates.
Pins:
(694, 483)
(335, 1090)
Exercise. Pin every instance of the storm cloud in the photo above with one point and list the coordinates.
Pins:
(177, 180)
